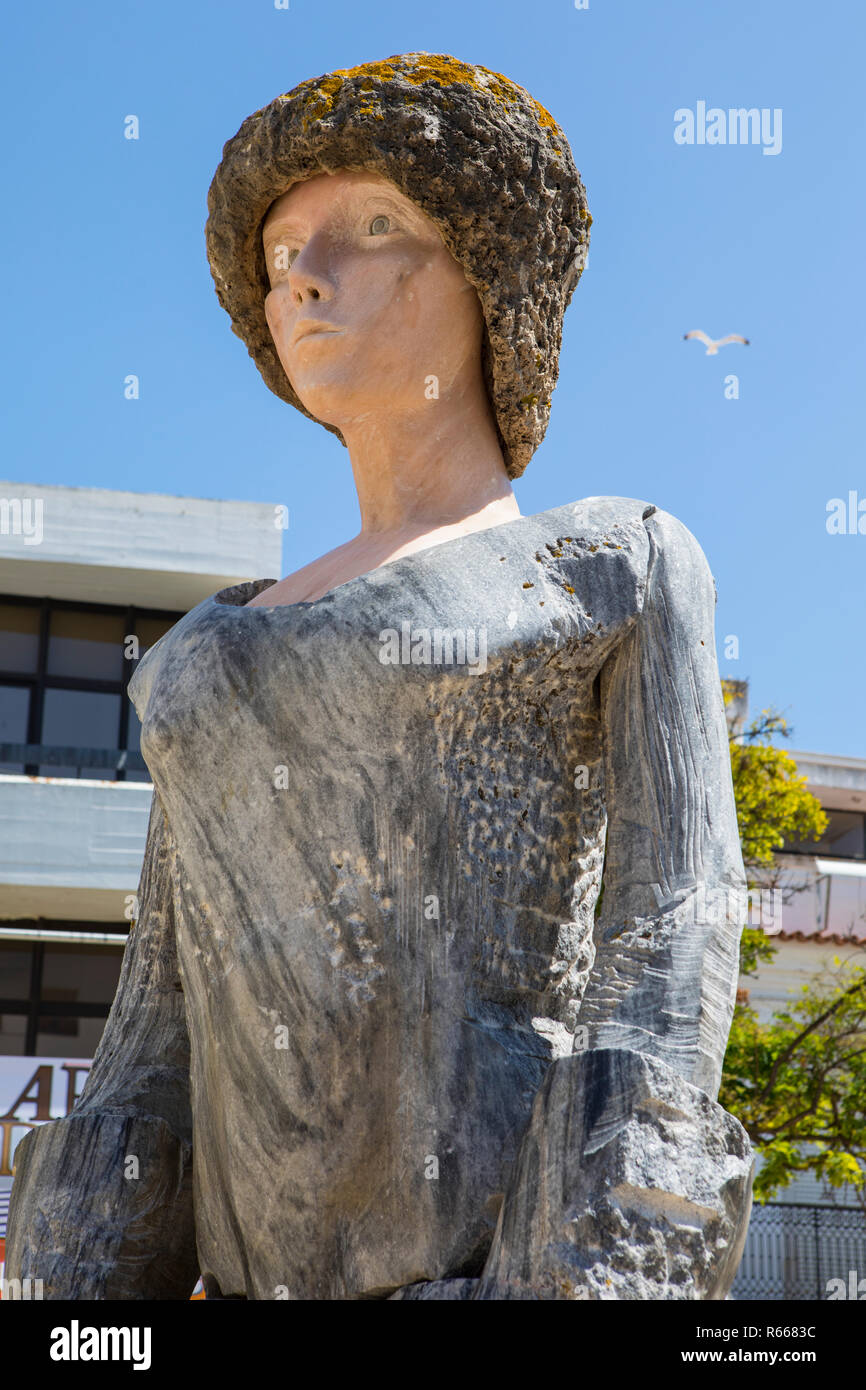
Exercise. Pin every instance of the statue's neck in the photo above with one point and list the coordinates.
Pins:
(438, 465)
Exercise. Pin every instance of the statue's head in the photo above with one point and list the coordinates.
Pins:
(476, 237)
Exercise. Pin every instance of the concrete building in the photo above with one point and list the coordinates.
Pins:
(89, 579)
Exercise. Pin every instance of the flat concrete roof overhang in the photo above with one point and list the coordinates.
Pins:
(148, 549)
(839, 783)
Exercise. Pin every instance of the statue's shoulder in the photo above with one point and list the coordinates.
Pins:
(662, 544)
(598, 512)
(665, 531)
(598, 516)
(172, 645)
(677, 558)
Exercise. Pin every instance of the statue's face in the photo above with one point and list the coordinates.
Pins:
(366, 302)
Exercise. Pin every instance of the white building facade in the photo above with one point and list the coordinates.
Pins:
(89, 580)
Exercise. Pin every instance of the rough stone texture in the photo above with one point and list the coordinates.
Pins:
(630, 1184)
(289, 1003)
(478, 154)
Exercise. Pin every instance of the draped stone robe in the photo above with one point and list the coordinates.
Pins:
(369, 1016)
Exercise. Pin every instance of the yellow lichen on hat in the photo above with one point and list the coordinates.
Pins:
(416, 68)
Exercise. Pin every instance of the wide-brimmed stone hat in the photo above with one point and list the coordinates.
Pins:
(475, 152)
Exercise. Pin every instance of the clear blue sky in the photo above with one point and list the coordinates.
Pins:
(106, 274)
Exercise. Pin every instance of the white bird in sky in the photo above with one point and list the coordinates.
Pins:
(713, 344)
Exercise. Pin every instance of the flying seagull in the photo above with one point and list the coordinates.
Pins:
(713, 344)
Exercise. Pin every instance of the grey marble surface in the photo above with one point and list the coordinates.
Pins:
(368, 926)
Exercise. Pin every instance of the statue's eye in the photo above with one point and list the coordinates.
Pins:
(379, 226)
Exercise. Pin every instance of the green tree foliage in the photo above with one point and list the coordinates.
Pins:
(797, 1083)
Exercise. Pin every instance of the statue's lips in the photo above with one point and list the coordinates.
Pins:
(308, 330)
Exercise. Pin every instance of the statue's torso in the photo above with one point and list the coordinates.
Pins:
(386, 876)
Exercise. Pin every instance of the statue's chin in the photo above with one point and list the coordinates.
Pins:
(325, 385)
(339, 402)
(332, 407)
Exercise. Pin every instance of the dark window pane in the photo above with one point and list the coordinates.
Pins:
(133, 743)
(15, 961)
(89, 645)
(844, 837)
(58, 1027)
(14, 713)
(13, 1035)
(79, 719)
(80, 973)
(149, 631)
(133, 730)
(19, 638)
(82, 1043)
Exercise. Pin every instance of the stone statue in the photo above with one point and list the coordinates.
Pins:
(378, 1033)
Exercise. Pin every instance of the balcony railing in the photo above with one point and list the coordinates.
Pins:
(794, 1251)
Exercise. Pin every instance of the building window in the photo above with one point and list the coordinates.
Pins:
(827, 888)
(844, 838)
(19, 637)
(14, 719)
(56, 995)
(64, 672)
(86, 645)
